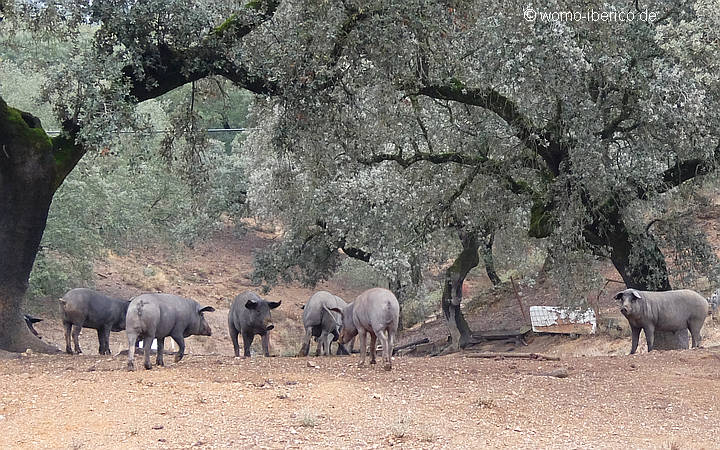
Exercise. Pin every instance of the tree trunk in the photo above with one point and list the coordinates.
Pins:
(452, 290)
(489, 261)
(636, 257)
(27, 182)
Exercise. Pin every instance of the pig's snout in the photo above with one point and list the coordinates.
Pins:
(269, 327)
(623, 310)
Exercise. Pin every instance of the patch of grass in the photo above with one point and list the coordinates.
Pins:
(308, 419)
(485, 403)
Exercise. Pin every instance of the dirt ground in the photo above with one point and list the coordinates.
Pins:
(598, 398)
(655, 400)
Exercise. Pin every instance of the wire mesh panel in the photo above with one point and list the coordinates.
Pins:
(552, 319)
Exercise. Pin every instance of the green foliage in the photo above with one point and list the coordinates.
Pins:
(394, 122)
(126, 199)
(354, 274)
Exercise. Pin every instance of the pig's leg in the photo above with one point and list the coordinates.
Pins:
(266, 344)
(180, 341)
(327, 344)
(160, 352)
(318, 348)
(322, 345)
(391, 346)
(695, 328)
(385, 342)
(635, 339)
(247, 342)
(68, 331)
(373, 347)
(305, 349)
(363, 342)
(132, 340)
(104, 340)
(76, 335)
(147, 344)
(234, 338)
(650, 336)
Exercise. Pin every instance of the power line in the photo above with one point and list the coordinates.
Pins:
(208, 130)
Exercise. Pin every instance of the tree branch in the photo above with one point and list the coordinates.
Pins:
(165, 68)
(550, 148)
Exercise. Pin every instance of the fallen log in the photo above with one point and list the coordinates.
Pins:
(499, 355)
(411, 344)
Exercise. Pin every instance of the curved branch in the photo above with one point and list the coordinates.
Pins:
(552, 150)
(165, 68)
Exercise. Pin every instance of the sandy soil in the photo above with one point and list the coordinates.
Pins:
(656, 400)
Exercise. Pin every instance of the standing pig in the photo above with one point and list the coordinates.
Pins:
(671, 311)
(89, 309)
(157, 316)
(319, 321)
(250, 315)
(375, 311)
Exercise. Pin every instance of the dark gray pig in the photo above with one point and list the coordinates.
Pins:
(85, 308)
(157, 316)
(322, 323)
(30, 320)
(671, 311)
(250, 315)
(375, 311)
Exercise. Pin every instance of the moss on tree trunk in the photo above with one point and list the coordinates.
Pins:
(27, 180)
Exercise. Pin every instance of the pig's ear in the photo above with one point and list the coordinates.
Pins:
(251, 304)
(337, 310)
(207, 309)
(339, 324)
(274, 305)
(635, 293)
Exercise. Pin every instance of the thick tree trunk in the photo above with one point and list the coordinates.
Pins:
(489, 261)
(636, 257)
(452, 290)
(27, 181)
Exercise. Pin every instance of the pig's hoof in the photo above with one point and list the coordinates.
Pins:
(131, 367)
(373, 362)
(147, 366)
(387, 367)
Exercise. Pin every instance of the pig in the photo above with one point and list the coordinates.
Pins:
(375, 311)
(85, 308)
(671, 311)
(250, 315)
(30, 320)
(322, 323)
(157, 316)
